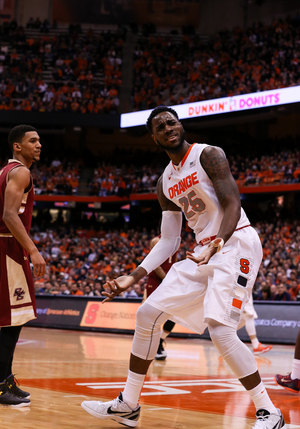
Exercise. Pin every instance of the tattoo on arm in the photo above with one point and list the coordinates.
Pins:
(134, 273)
(215, 163)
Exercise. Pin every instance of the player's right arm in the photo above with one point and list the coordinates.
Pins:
(167, 246)
(19, 180)
(165, 203)
(159, 270)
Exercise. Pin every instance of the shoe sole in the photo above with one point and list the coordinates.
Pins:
(117, 419)
(161, 358)
(286, 388)
(23, 404)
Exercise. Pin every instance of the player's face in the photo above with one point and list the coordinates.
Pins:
(168, 132)
(31, 146)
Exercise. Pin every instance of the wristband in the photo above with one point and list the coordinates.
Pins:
(218, 243)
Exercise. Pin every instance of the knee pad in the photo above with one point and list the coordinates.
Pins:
(147, 331)
(235, 353)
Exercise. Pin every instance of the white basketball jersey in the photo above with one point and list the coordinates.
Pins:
(190, 188)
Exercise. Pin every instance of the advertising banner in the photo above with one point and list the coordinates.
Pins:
(116, 315)
(237, 103)
(277, 322)
(60, 312)
(112, 315)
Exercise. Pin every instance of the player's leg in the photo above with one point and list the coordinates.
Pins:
(9, 336)
(125, 408)
(251, 331)
(167, 328)
(242, 363)
(9, 395)
(292, 381)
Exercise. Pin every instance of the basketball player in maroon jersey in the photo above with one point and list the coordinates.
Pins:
(17, 299)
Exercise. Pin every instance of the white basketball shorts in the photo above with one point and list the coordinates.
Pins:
(218, 290)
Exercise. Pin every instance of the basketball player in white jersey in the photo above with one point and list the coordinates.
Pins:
(247, 318)
(209, 288)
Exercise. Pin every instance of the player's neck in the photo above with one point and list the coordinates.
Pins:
(21, 159)
(177, 157)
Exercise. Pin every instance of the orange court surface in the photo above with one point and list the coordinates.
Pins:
(193, 388)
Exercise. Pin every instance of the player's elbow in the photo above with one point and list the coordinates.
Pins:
(8, 218)
(172, 243)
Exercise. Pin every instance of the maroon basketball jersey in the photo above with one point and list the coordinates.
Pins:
(25, 210)
(153, 280)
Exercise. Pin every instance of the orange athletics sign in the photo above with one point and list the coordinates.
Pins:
(115, 315)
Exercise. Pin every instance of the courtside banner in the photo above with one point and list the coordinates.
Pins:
(117, 316)
(277, 322)
(58, 312)
(237, 103)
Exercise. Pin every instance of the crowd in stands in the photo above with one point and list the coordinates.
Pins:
(282, 167)
(138, 172)
(80, 261)
(167, 70)
(110, 180)
(59, 178)
(75, 56)
(172, 71)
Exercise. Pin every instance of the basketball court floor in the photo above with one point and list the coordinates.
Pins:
(192, 389)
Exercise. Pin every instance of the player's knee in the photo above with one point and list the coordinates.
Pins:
(221, 335)
(149, 319)
(143, 317)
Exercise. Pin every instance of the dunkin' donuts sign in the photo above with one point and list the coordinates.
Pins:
(237, 103)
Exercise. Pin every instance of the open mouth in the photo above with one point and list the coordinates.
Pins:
(172, 137)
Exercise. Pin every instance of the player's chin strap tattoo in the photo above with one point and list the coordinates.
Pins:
(217, 243)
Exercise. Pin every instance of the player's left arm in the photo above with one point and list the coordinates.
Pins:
(215, 163)
(19, 179)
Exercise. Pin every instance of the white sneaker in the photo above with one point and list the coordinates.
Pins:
(161, 354)
(266, 420)
(116, 410)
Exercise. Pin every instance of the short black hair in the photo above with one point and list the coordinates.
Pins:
(17, 134)
(155, 112)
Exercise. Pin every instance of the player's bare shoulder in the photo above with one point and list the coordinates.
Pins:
(21, 176)
(164, 202)
(214, 162)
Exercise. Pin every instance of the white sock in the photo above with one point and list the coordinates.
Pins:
(133, 388)
(296, 369)
(251, 331)
(261, 398)
(255, 343)
(164, 334)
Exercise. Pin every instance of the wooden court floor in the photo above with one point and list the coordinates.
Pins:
(192, 389)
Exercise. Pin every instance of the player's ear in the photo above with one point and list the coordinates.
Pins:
(17, 146)
(154, 138)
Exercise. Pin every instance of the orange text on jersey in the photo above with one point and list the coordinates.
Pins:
(183, 185)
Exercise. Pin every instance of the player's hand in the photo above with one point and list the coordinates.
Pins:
(117, 286)
(205, 256)
(39, 264)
